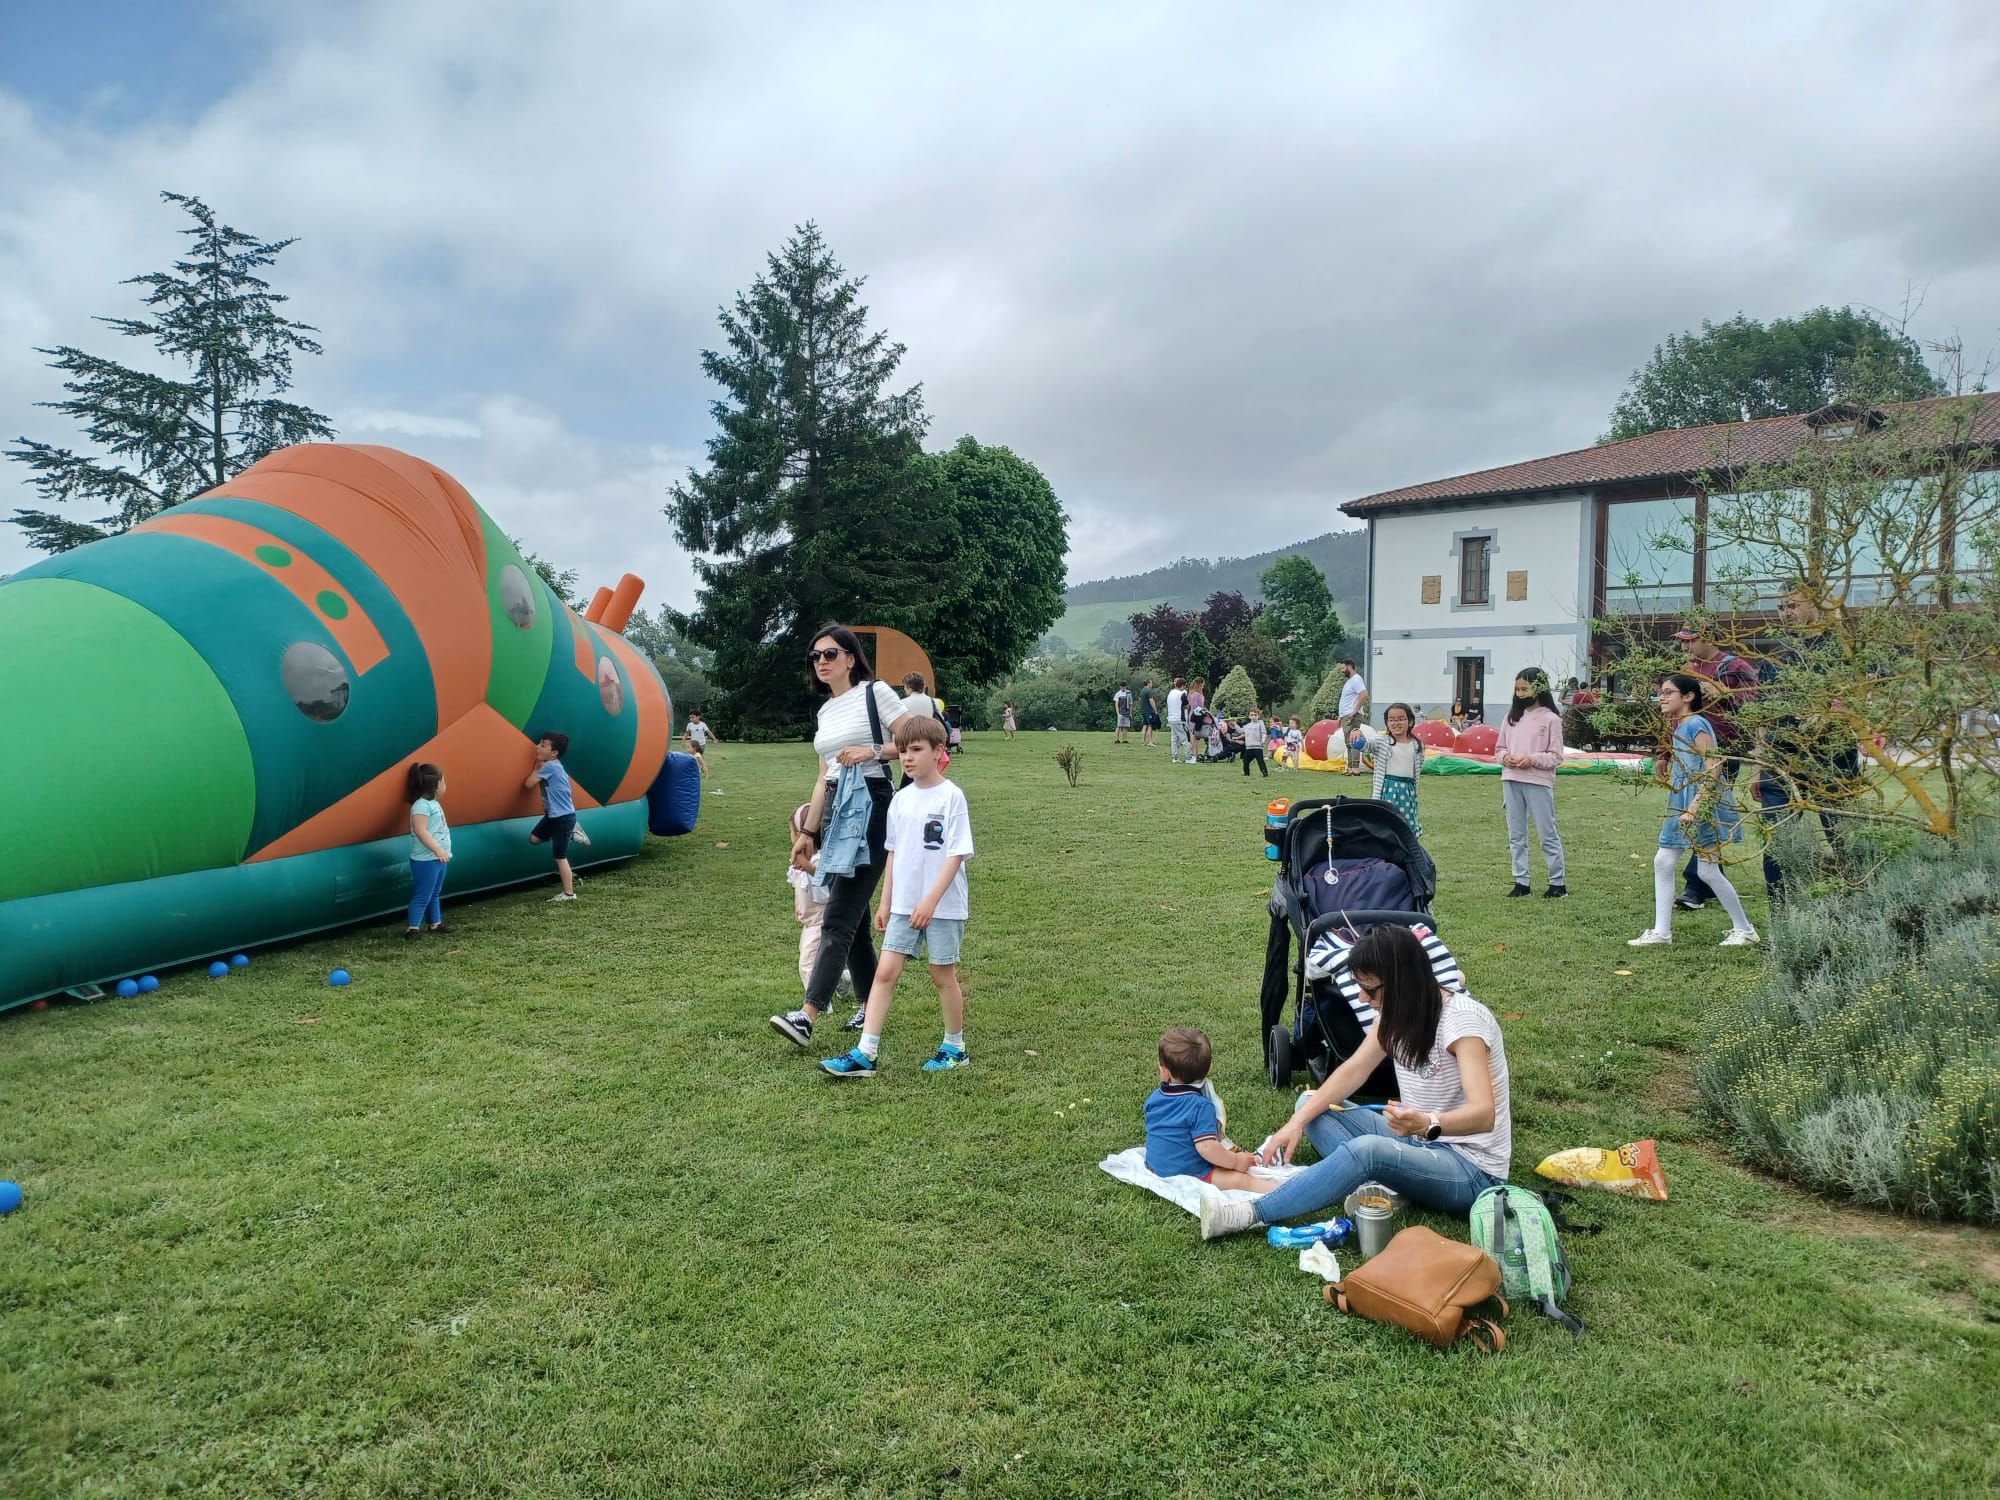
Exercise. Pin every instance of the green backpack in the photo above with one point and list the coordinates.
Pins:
(1515, 1227)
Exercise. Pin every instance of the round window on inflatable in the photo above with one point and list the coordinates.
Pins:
(609, 688)
(517, 597)
(316, 681)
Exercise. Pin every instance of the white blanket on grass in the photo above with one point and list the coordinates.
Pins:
(1130, 1166)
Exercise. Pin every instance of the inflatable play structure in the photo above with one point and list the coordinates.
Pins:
(1466, 752)
(210, 718)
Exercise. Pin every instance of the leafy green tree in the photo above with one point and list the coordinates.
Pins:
(808, 510)
(1742, 369)
(1235, 695)
(1226, 613)
(1260, 657)
(1325, 703)
(995, 574)
(1115, 638)
(1073, 692)
(1200, 653)
(1298, 612)
(159, 439)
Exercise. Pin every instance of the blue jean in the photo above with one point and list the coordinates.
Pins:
(1357, 1146)
(426, 891)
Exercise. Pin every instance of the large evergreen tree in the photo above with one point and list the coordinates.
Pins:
(806, 512)
(161, 439)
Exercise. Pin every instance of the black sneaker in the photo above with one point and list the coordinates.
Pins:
(854, 1022)
(1519, 890)
(1555, 892)
(1687, 903)
(794, 1025)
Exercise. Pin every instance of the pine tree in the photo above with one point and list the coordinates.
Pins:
(1236, 695)
(806, 512)
(164, 440)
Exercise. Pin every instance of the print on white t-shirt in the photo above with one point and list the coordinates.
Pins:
(927, 825)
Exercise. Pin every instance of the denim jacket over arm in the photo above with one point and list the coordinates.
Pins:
(844, 848)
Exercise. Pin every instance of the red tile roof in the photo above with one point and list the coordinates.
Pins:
(1677, 453)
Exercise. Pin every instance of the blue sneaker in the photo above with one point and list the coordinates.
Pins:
(945, 1059)
(851, 1064)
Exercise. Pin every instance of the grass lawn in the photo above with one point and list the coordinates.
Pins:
(545, 1208)
(1081, 623)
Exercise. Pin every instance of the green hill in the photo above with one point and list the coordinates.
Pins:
(1341, 555)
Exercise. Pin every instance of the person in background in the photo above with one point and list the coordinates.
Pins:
(1179, 743)
(1353, 714)
(917, 697)
(430, 848)
(1149, 714)
(1529, 750)
(1253, 744)
(1121, 709)
(1701, 815)
(1007, 723)
(1732, 682)
(697, 735)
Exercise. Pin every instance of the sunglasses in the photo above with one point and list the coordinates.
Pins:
(831, 653)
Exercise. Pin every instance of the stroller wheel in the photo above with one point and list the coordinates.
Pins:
(1278, 1056)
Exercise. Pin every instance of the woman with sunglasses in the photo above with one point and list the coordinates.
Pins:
(1443, 1143)
(846, 736)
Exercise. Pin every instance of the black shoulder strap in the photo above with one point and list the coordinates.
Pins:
(874, 713)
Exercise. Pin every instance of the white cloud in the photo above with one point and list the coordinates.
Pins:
(1212, 275)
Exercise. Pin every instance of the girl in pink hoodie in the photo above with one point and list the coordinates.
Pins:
(1530, 749)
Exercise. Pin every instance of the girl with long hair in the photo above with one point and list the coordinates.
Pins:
(1399, 760)
(847, 738)
(1701, 815)
(1443, 1143)
(1529, 750)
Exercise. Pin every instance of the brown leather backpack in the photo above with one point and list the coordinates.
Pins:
(1426, 1283)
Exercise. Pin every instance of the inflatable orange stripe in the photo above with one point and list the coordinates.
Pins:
(310, 583)
(656, 723)
(485, 760)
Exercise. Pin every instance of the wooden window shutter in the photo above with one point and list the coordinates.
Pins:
(1517, 585)
(1433, 588)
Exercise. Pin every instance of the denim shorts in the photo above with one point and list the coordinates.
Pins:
(941, 940)
(555, 832)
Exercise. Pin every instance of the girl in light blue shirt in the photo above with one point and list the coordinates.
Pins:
(430, 848)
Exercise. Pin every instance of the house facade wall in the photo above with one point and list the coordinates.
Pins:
(1414, 646)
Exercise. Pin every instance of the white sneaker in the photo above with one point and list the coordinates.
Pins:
(580, 836)
(562, 896)
(1651, 939)
(1219, 1216)
(1741, 937)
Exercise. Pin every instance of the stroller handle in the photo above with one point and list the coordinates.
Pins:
(1361, 920)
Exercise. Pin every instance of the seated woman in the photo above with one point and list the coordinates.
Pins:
(1448, 1139)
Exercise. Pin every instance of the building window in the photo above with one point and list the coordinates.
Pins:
(1472, 570)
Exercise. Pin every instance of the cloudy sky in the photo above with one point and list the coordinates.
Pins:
(1215, 269)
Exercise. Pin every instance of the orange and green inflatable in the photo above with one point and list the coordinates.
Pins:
(210, 717)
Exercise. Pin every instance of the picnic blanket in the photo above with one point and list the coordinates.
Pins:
(1130, 1166)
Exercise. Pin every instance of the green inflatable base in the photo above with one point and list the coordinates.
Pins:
(49, 944)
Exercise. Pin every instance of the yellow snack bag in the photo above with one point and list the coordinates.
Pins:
(1633, 1169)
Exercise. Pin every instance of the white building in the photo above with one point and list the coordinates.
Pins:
(1474, 578)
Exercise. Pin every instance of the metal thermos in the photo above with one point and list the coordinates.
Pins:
(1373, 1226)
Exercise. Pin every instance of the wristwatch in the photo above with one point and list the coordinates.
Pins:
(1436, 1130)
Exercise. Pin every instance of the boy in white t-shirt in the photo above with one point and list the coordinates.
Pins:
(923, 901)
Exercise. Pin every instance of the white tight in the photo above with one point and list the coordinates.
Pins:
(1666, 866)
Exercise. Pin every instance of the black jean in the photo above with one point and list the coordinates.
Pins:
(1256, 753)
(847, 932)
(1778, 798)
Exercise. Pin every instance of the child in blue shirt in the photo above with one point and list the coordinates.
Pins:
(430, 848)
(558, 824)
(1183, 1126)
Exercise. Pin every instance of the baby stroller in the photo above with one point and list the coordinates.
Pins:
(1381, 874)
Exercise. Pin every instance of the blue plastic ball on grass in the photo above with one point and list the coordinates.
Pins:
(217, 969)
(240, 961)
(127, 988)
(148, 983)
(339, 977)
(10, 1197)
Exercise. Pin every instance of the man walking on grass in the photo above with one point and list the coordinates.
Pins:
(1177, 723)
(1353, 713)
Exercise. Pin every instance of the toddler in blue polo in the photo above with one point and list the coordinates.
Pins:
(1183, 1125)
